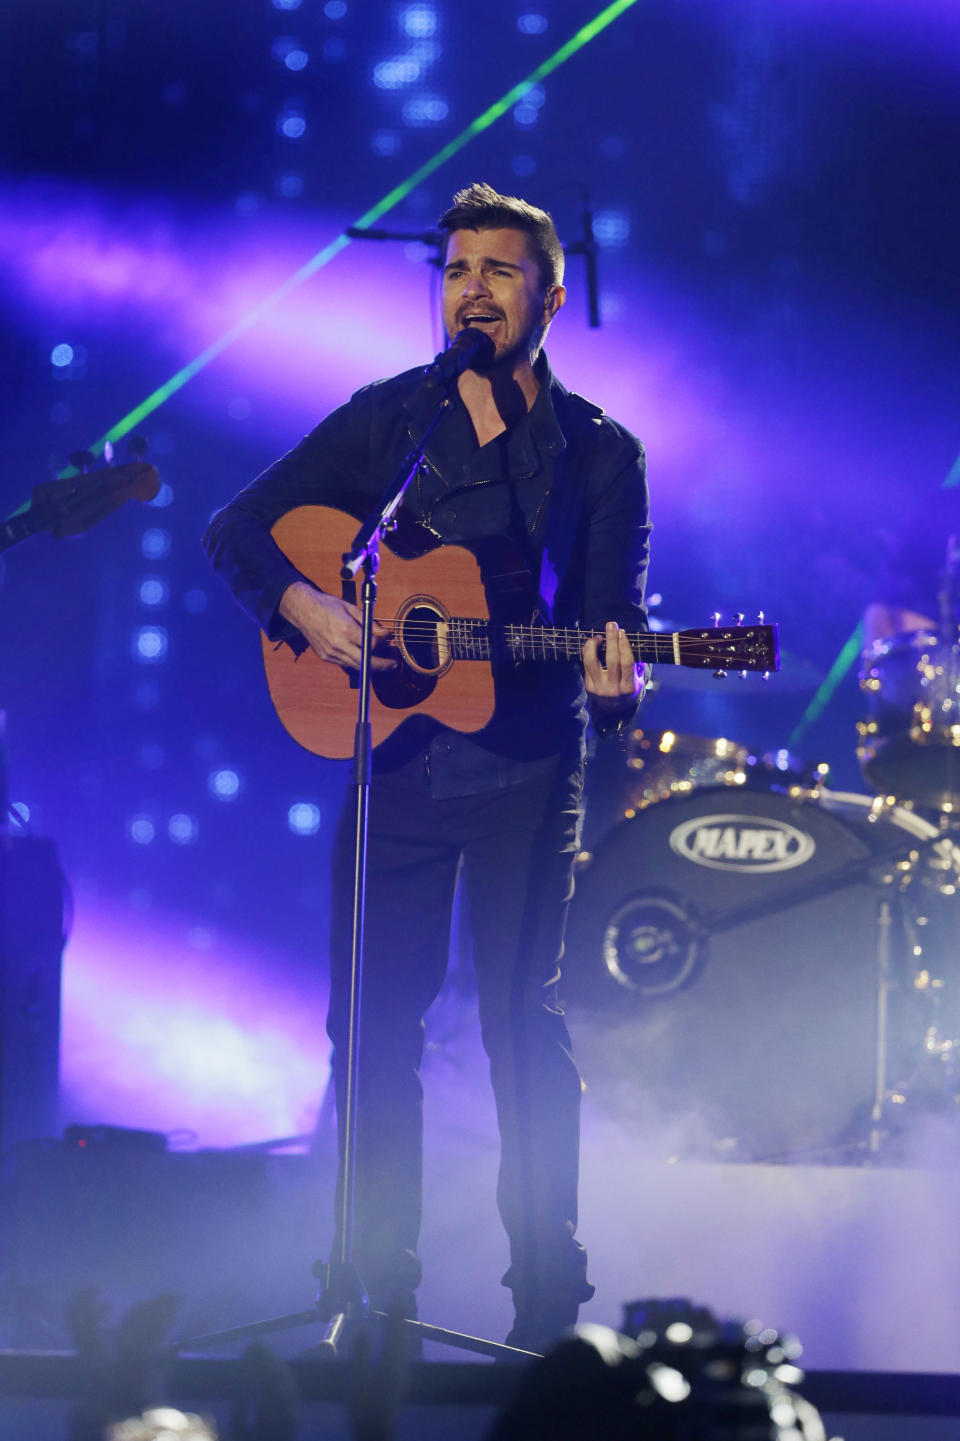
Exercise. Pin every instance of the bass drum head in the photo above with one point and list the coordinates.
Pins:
(720, 972)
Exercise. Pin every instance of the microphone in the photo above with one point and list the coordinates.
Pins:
(470, 349)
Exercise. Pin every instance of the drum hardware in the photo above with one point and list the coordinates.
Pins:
(666, 763)
(909, 741)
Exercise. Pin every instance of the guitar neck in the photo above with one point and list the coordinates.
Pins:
(17, 527)
(717, 648)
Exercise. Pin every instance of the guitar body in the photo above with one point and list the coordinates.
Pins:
(317, 701)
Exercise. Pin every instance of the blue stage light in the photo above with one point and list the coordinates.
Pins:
(393, 74)
(224, 784)
(531, 23)
(182, 829)
(385, 142)
(296, 59)
(425, 110)
(155, 543)
(195, 601)
(154, 591)
(290, 187)
(525, 115)
(611, 228)
(22, 811)
(293, 126)
(141, 830)
(303, 818)
(335, 9)
(150, 643)
(286, 4)
(61, 355)
(419, 20)
(163, 497)
(146, 695)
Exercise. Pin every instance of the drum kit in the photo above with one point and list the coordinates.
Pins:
(761, 968)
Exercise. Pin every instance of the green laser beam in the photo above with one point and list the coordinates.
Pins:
(827, 690)
(323, 257)
(848, 655)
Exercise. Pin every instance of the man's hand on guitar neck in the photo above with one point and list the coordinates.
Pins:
(617, 685)
(331, 626)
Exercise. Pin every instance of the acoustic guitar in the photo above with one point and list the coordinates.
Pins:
(435, 606)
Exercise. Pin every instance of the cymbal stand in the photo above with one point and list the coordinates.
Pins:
(876, 1133)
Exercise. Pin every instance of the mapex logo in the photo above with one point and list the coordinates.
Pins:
(742, 843)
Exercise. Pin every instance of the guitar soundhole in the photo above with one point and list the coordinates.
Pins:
(419, 638)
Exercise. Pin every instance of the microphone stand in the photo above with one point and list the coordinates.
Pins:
(342, 1301)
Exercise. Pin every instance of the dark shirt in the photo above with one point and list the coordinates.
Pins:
(547, 507)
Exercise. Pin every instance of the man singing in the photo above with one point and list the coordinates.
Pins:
(551, 497)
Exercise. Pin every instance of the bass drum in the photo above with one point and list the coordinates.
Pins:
(720, 970)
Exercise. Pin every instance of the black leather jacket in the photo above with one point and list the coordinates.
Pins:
(583, 499)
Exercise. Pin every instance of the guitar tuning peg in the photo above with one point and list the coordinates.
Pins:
(743, 675)
(715, 618)
(766, 675)
(108, 452)
(719, 675)
(137, 446)
(760, 616)
(738, 618)
(82, 459)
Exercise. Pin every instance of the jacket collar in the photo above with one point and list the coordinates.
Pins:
(421, 403)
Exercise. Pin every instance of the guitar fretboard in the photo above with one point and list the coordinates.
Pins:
(471, 638)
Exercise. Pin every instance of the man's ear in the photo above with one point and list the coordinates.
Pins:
(555, 297)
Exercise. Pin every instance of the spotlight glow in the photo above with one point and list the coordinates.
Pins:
(303, 818)
(611, 228)
(224, 784)
(419, 20)
(154, 591)
(182, 829)
(425, 110)
(394, 74)
(150, 643)
(141, 830)
(61, 355)
(155, 543)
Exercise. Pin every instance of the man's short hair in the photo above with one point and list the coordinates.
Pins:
(480, 207)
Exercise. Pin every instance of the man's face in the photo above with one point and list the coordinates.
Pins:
(492, 282)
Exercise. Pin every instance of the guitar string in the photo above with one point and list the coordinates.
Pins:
(547, 643)
(462, 627)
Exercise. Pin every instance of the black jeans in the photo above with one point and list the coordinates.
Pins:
(517, 845)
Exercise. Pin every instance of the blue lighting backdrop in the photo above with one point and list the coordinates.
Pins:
(772, 185)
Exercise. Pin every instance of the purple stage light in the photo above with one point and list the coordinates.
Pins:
(177, 1024)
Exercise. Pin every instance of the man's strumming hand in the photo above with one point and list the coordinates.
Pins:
(331, 626)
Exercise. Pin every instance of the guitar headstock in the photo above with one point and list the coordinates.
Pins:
(75, 502)
(724, 648)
